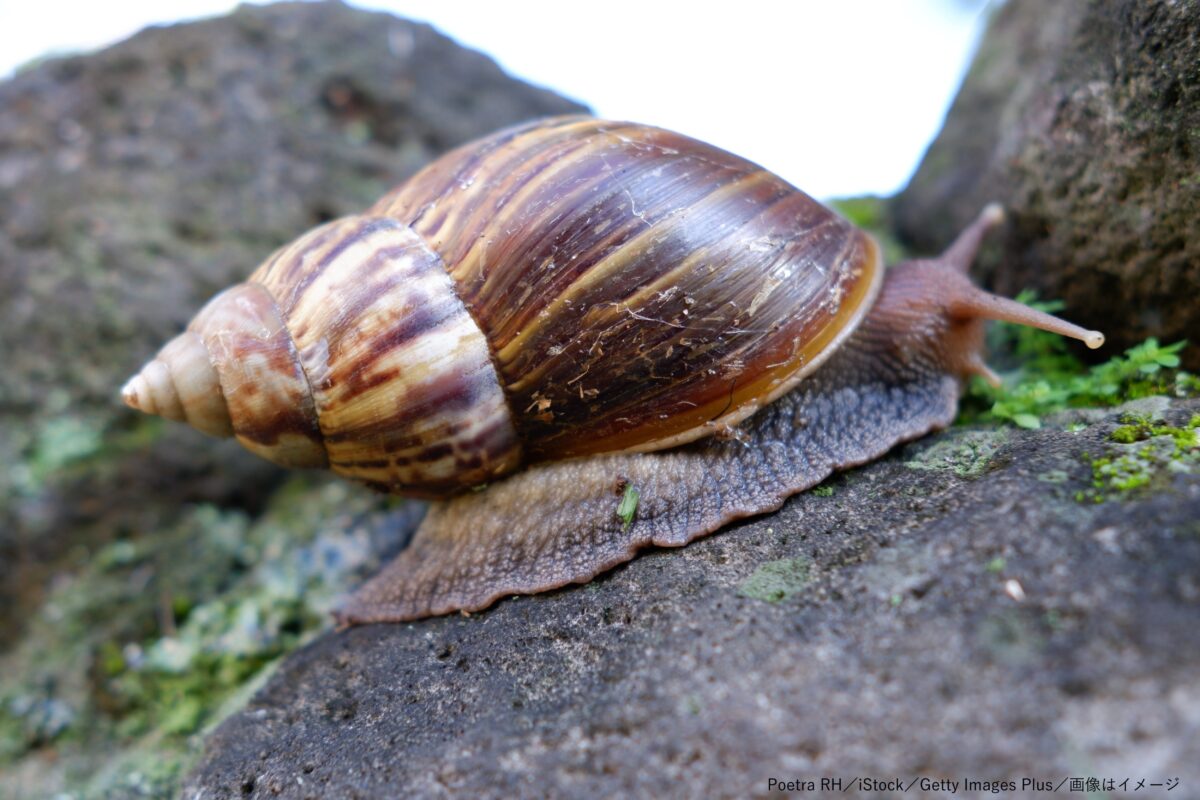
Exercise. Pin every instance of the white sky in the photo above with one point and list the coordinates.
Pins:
(840, 97)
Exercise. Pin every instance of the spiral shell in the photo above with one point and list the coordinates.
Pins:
(563, 288)
(636, 285)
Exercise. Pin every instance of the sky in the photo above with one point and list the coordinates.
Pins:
(838, 97)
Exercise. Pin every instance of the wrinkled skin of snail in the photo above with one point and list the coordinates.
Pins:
(567, 312)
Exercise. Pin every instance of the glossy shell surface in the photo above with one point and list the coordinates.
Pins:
(400, 376)
(637, 288)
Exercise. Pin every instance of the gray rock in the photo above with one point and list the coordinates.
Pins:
(963, 608)
(1083, 118)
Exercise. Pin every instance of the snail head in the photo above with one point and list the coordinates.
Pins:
(930, 307)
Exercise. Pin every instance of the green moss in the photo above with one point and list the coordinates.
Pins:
(1054, 476)
(776, 581)
(1126, 434)
(824, 490)
(71, 444)
(965, 454)
(61, 441)
(145, 772)
(1148, 452)
(184, 717)
(1139, 427)
(1048, 379)
(1122, 473)
(148, 643)
(997, 565)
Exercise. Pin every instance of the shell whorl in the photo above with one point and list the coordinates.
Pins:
(235, 372)
(181, 384)
(349, 349)
(638, 288)
(402, 382)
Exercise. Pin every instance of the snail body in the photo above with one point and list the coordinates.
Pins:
(564, 310)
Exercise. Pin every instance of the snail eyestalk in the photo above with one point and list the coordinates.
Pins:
(961, 253)
(931, 306)
(979, 304)
(968, 301)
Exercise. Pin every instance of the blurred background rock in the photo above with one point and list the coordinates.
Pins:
(1083, 118)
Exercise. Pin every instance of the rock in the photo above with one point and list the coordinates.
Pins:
(1083, 118)
(974, 605)
(146, 572)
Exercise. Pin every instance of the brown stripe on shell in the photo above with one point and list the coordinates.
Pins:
(533, 350)
(290, 273)
(265, 390)
(461, 183)
(398, 368)
(638, 288)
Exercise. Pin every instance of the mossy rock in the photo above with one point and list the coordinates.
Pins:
(984, 609)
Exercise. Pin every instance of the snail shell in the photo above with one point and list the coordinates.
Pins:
(559, 289)
(572, 288)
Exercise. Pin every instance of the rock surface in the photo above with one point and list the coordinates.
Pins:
(142, 567)
(1083, 118)
(955, 610)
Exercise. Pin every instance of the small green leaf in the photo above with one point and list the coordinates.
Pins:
(627, 510)
(1027, 421)
(184, 716)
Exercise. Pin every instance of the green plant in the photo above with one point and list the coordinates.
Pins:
(1050, 379)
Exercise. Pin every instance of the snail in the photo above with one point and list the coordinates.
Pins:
(580, 338)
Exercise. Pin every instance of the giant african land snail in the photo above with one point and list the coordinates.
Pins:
(565, 311)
